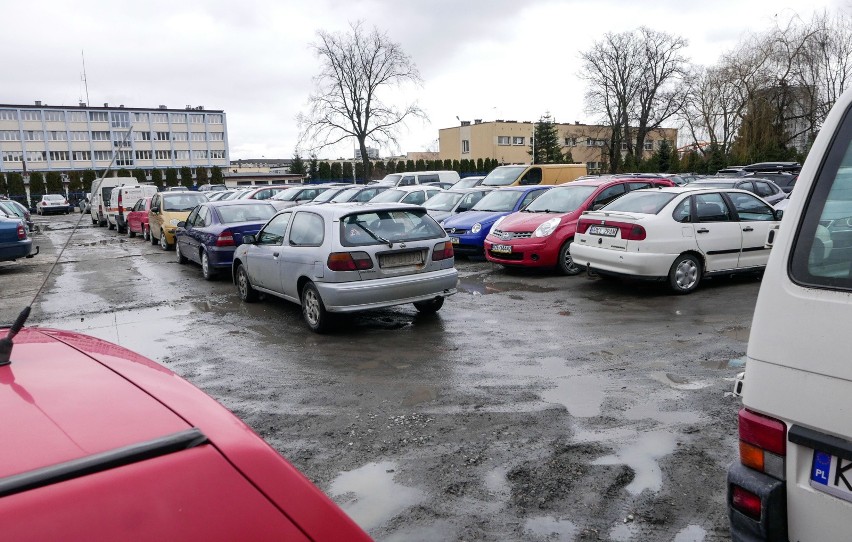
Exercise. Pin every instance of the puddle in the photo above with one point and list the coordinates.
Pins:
(737, 333)
(472, 285)
(549, 527)
(645, 410)
(581, 395)
(641, 455)
(678, 382)
(691, 533)
(370, 495)
(497, 483)
(622, 532)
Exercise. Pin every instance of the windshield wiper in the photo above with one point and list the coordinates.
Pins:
(372, 234)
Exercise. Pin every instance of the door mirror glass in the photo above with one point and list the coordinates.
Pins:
(779, 213)
(597, 206)
(248, 240)
(181, 224)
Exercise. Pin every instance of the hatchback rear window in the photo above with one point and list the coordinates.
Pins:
(260, 212)
(649, 203)
(382, 227)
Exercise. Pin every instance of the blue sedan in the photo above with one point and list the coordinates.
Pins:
(14, 242)
(468, 230)
(213, 231)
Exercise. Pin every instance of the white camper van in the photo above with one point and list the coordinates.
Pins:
(123, 198)
(101, 191)
(793, 478)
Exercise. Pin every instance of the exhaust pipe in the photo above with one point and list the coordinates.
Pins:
(35, 253)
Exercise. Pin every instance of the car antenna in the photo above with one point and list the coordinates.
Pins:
(7, 342)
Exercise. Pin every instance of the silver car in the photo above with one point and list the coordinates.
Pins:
(348, 257)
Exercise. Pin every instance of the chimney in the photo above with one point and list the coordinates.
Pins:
(38, 103)
(188, 106)
(576, 123)
(106, 104)
(82, 104)
(477, 121)
(163, 107)
(465, 123)
(121, 106)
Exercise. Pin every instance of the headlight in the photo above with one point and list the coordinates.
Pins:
(174, 221)
(547, 228)
(475, 228)
(494, 226)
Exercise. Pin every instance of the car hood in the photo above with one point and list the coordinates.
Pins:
(440, 215)
(468, 218)
(523, 222)
(168, 216)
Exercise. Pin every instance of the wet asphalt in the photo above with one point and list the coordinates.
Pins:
(531, 407)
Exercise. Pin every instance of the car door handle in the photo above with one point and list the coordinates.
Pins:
(702, 230)
(748, 228)
(274, 254)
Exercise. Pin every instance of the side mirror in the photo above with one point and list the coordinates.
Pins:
(249, 240)
(779, 213)
(181, 224)
(597, 206)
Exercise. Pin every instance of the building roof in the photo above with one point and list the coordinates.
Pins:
(106, 107)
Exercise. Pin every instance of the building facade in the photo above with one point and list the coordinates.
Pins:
(509, 142)
(65, 138)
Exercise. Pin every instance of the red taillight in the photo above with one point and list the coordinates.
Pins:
(583, 225)
(442, 251)
(120, 206)
(349, 261)
(22, 232)
(763, 443)
(225, 239)
(746, 502)
(633, 233)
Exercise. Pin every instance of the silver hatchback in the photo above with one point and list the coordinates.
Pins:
(348, 257)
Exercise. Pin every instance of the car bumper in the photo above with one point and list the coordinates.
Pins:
(169, 232)
(379, 293)
(220, 257)
(526, 254)
(617, 262)
(15, 250)
(469, 244)
(55, 209)
(772, 524)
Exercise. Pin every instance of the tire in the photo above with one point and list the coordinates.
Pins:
(685, 274)
(146, 233)
(130, 233)
(430, 307)
(151, 237)
(244, 289)
(164, 243)
(94, 221)
(207, 270)
(313, 309)
(110, 225)
(181, 259)
(565, 264)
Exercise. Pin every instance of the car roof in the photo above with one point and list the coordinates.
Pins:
(691, 187)
(413, 188)
(229, 202)
(337, 210)
(524, 188)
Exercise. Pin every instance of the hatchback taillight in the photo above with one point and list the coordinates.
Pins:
(225, 239)
(763, 443)
(442, 251)
(349, 261)
(22, 232)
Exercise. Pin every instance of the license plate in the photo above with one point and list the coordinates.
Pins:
(832, 475)
(401, 259)
(503, 249)
(454, 240)
(606, 231)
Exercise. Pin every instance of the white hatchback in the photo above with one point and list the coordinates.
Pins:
(679, 234)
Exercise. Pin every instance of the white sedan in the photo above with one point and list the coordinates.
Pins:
(679, 234)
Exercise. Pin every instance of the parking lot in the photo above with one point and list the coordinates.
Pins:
(531, 407)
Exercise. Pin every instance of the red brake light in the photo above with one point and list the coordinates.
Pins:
(746, 502)
(764, 432)
(442, 251)
(225, 239)
(584, 224)
(349, 261)
(633, 233)
(22, 232)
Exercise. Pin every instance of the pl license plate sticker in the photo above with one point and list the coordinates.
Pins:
(832, 475)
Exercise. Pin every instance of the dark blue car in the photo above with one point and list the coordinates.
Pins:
(468, 230)
(14, 242)
(213, 230)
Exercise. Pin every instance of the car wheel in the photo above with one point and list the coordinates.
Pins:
(130, 232)
(146, 234)
(94, 221)
(164, 243)
(247, 293)
(206, 269)
(685, 274)
(151, 237)
(181, 259)
(566, 263)
(313, 309)
(110, 225)
(431, 306)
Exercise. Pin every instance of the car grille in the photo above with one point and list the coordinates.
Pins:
(508, 235)
(509, 256)
(455, 231)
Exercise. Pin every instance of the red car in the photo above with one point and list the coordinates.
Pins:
(541, 234)
(101, 443)
(137, 219)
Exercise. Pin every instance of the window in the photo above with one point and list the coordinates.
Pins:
(308, 230)
(518, 140)
(77, 116)
(570, 141)
(217, 154)
(624, 145)
(82, 156)
(159, 118)
(217, 136)
(121, 139)
(593, 165)
(711, 208)
(465, 146)
(683, 211)
(143, 155)
(199, 155)
(530, 197)
(8, 114)
(214, 119)
(54, 116)
(502, 140)
(415, 198)
(649, 145)
(36, 156)
(30, 115)
(163, 155)
(763, 189)
(196, 119)
(649, 203)
(100, 136)
(98, 116)
(140, 117)
(607, 195)
(120, 120)
(396, 226)
(591, 142)
(58, 136)
(179, 118)
(79, 136)
(181, 155)
(637, 186)
(13, 156)
(198, 136)
(749, 208)
(10, 135)
(124, 158)
(180, 136)
(161, 136)
(273, 232)
(103, 156)
(59, 156)
(142, 136)
(33, 135)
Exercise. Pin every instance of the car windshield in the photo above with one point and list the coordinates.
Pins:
(467, 183)
(182, 202)
(290, 194)
(380, 227)
(561, 199)
(389, 196)
(503, 175)
(257, 212)
(649, 203)
(328, 195)
(444, 201)
(499, 200)
(346, 195)
(10, 210)
(392, 179)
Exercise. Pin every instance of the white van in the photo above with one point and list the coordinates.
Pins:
(793, 480)
(123, 198)
(420, 177)
(101, 190)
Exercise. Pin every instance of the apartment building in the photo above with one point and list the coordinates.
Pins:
(508, 142)
(64, 138)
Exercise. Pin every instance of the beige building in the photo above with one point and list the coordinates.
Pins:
(509, 142)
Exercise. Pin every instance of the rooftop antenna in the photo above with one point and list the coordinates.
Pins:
(85, 82)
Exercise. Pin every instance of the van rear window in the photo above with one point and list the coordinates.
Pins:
(822, 250)
(381, 227)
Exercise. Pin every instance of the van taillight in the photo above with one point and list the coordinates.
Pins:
(349, 261)
(746, 502)
(225, 239)
(22, 232)
(442, 251)
(763, 443)
(120, 207)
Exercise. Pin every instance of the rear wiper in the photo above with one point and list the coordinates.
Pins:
(372, 234)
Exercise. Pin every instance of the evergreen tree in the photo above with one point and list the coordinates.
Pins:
(662, 157)
(157, 178)
(480, 165)
(89, 176)
(201, 176)
(124, 172)
(186, 176)
(456, 166)
(37, 183)
(391, 166)
(53, 183)
(4, 188)
(568, 158)
(379, 170)
(629, 165)
(409, 165)
(420, 165)
(359, 171)
(324, 171)
(216, 175)
(448, 165)
(75, 182)
(674, 164)
(140, 175)
(716, 159)
(297, 165)
(336, 172)
(15, 184)
(546, 147)
(313, 167)
(171, 177)
(400, 166)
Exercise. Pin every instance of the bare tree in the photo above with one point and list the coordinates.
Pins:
(356, 69)
(714, 106)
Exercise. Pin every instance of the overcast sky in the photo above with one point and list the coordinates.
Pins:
(486, 59)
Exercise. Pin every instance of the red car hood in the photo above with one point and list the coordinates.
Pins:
(523, 222)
